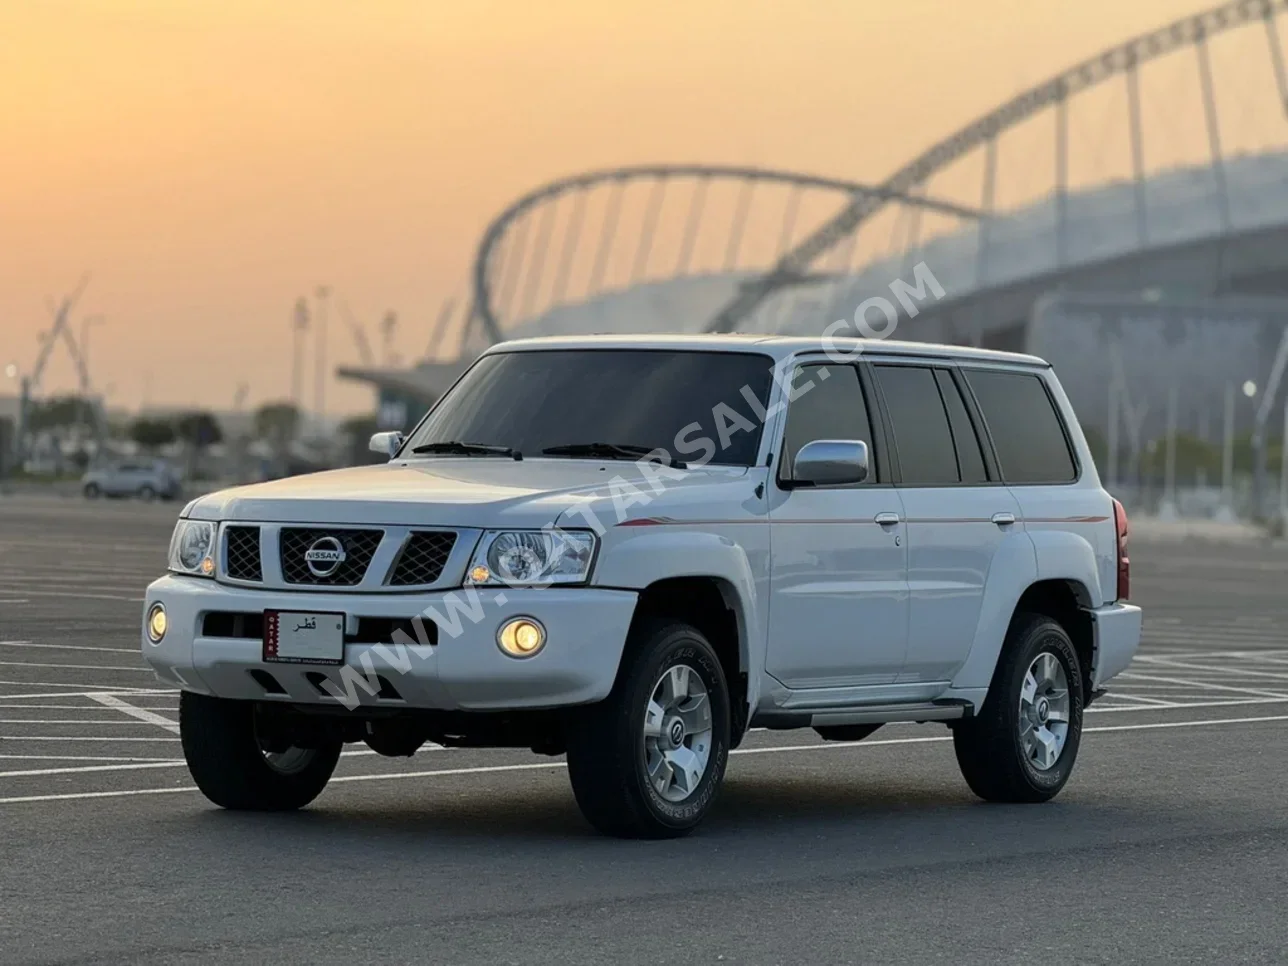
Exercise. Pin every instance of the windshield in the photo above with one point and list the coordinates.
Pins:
(688, 403)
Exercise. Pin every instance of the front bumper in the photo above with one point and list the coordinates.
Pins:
(464, 670)
(1117, 636)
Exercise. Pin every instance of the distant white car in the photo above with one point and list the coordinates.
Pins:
(634, 550)
(147, 481)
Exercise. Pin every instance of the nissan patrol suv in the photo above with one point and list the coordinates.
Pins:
(633, 551)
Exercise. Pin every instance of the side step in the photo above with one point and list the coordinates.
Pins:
(868, 714)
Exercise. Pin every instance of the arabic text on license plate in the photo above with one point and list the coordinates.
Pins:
(303, 638)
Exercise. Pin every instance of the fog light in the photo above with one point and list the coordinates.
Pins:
(521, 637)
(156, 623)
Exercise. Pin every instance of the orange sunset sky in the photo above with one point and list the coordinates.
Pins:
(208, 162)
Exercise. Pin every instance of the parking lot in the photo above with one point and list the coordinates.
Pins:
(1170, 843)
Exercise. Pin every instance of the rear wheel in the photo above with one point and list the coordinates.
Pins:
(236, 768)
(147, 494)
(92, 491)
(648, 761)
(1023, 744)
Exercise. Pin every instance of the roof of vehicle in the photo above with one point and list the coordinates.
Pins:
(778, 346)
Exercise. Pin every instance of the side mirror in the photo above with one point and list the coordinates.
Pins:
(831, 462)
(386, 444)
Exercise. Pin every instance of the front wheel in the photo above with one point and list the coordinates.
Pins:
(1023, 745)
(91, 491)
(648, 761)
(236, 769)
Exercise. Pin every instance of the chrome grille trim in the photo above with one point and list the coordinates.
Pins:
(359, 545)
(378, 577)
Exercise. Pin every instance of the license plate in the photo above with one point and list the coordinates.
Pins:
(301, 637)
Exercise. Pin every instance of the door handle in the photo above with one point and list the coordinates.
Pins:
(887, 519)
(1003, 519)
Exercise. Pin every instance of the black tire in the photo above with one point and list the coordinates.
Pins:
(92, 491)
(147, 494)
(989, 749)
(606, 744)
(228, 765)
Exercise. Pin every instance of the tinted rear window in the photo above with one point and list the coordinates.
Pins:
(921, 435)
(1027, 432)
(691, 404)
(970, 458)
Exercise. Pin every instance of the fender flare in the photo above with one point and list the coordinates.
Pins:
(1019, 564)
(647, 556)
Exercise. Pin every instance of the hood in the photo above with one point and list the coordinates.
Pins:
(479, 492)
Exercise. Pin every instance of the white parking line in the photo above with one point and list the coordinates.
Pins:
(78, 667)
(493, 769)
(1203, 685)
(99, 758)
(130, 763)
(76, 721)
(84, 769)
(71, 647)
(1156, 702)
(63, 707)
(150, 717)
(80, 596)
(1180, 664)
(70, 796)
(1186, 705)
(99, 689)
(100, 739)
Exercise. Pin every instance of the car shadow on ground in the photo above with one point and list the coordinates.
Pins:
(544, 813)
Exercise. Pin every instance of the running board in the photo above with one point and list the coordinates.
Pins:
(869, 714)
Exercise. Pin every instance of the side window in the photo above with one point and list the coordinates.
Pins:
(970, 458)
(920, 424)
(832, 408)
(1027, 432)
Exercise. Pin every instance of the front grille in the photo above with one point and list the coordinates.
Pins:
(241, 554)
(424, 557)
(359, 547)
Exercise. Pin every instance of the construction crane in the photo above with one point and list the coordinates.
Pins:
(60, 313)
(388, 326)
(359, 336)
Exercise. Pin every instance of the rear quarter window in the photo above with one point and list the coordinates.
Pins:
(1028, 433)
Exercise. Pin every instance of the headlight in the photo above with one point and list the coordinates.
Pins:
(192, 548)
(533, 557)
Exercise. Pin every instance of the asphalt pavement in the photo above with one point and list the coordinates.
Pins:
(1169, 845)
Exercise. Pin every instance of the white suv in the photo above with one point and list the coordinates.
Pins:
(635, 550)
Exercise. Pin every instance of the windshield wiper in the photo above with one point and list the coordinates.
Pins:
(614, 451)
(454, 447)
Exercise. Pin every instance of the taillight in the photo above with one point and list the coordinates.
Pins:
(1124, 565)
